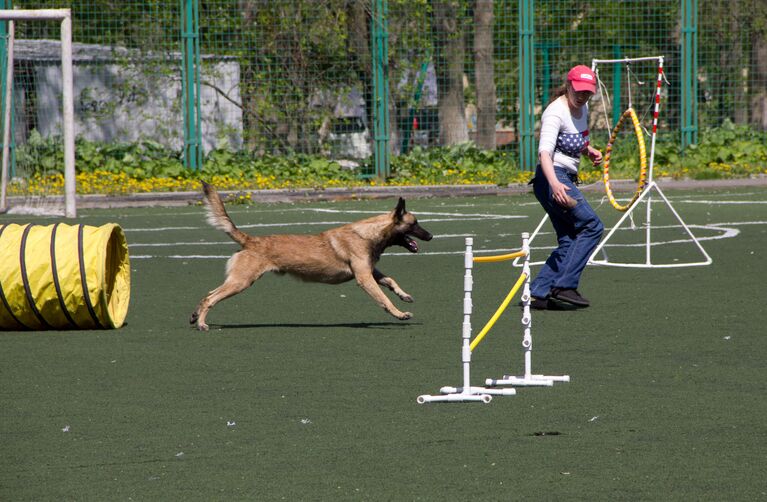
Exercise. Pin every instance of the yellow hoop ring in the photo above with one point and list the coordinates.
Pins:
(642, 160)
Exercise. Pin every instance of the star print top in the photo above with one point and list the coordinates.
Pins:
(564, 137)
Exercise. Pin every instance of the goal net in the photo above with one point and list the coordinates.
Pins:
(37, 103)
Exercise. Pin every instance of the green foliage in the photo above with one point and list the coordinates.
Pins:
(726, 152)
(142, 160)
(302, 169)
(464, 163)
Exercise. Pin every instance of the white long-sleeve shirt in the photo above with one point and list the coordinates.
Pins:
(563, 136)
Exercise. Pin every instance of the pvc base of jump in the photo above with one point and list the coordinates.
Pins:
(455, 398)
(528, 380)
(465, 394)
(478, 390)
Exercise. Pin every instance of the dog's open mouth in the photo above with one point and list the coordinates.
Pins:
(409, 244)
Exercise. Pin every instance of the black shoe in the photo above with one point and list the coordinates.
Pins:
(547, 304)
(570, 296)
(539, 303)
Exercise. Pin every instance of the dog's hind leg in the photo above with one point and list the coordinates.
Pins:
(229, 288)
(242, 271)
(390, 283)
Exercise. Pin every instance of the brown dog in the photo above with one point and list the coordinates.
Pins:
(334, 256)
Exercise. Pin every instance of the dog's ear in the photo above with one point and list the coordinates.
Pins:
(400, 210)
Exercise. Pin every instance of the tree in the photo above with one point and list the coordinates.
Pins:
(484, 73)
(358, 29)
(295, 68)
(758, 74)
(447, 22)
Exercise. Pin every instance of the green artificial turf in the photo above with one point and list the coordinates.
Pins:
(308, 392)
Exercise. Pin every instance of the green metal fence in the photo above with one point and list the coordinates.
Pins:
(364, 80)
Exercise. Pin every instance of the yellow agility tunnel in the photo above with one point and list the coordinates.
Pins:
(63, 277)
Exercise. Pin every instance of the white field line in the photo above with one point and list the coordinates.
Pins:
(727, 232)
(255, 225)
(687, 198)
(678, 200)
(281, 210)
(223, 243)
(726, 229)
(182, 257)
(725, 202)
(453, 217)
(420, 214)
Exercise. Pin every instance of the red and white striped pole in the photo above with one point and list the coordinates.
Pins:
(655, 118)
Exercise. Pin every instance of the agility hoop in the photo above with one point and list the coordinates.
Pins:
(646, 199)
(647, 183)
(642, 160)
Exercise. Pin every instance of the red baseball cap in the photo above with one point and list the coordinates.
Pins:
(582, 79)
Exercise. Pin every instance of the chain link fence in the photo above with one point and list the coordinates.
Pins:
(272, 77)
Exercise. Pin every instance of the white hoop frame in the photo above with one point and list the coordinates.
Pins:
(651, 185)
(645, 195)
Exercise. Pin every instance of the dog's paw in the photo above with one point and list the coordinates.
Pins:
(406, 298)
(203, 327)
(193, 317)
(404, 316)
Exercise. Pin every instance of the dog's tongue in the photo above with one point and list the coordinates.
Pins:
(412, 246)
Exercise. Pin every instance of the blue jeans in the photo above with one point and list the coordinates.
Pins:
(578, 233)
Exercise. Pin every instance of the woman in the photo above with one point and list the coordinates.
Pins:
(564, 138)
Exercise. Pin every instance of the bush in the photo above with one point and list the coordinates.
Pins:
(726, 152)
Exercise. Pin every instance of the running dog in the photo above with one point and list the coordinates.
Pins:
(334, 256)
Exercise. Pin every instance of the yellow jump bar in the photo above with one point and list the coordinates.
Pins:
(500, 310)
(499, 257)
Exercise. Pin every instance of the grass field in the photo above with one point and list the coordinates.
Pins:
(308, 392)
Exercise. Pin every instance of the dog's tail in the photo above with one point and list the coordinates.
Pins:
(217, 216)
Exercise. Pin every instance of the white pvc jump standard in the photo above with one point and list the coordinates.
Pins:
(528, 378)
(466, 393)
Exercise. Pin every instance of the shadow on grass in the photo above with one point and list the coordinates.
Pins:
(354, 325)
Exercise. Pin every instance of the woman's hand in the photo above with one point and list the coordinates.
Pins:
(595, 155)
(558, 189)
(559, 194)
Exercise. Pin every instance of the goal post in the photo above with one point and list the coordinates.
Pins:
(68, 125)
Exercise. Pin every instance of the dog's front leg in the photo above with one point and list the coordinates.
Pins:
(366, 281)
(390, 283)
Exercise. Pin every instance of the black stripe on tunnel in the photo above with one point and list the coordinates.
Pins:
(56, 283)
(86, 293)
(25, 278)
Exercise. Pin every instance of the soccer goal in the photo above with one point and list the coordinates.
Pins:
(38, 165)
